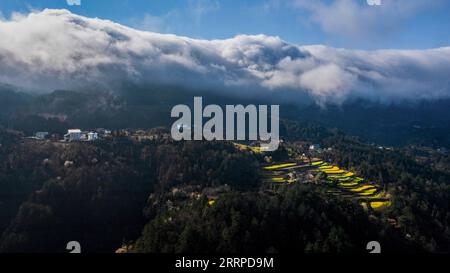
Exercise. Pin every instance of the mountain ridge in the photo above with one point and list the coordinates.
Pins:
(422, 123)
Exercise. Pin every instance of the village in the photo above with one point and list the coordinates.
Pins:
(74, 135)
(78, 135)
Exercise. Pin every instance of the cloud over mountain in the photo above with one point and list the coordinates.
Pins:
(55, 49)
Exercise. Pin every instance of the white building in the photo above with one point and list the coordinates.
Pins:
(74, 135)
(78, 135)
(92, 136)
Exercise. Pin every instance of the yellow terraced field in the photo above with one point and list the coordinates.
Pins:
(368, 192)
(378, 205)
(334, 172)
(242, 147)
(332, 169)
(343, 179)
(379, 195)
(363, 188)
(317, 163)
(349, 184)
(280, 166)
(278, 180)
(339, 178)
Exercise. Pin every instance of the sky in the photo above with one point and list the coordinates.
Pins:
(57, 49)
(352, 24)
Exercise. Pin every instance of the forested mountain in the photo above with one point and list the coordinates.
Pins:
(96, 193)
(421, 123)
(152, 196)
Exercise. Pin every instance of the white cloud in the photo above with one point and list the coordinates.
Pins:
(153, 23)
(198, 8)
(175, 20)
(74, 2)
(56, 49)
(359, 21)
(329, 81)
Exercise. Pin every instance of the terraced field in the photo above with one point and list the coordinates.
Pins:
(242, 147)
(341, 182)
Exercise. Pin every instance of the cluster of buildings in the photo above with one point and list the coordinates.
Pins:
(143, 135)
(77, 135)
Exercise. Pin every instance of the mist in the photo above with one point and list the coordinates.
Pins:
(55, 49)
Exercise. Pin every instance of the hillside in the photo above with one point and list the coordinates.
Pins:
(135, 107)
(122, 191)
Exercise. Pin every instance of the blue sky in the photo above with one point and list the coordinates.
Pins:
(400, 24)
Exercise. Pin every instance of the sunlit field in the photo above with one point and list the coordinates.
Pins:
(343, 182)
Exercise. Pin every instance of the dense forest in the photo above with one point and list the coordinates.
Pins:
(151, 196)
(302, 219)
(56, 192)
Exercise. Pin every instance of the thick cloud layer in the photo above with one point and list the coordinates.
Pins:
(56, 49)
